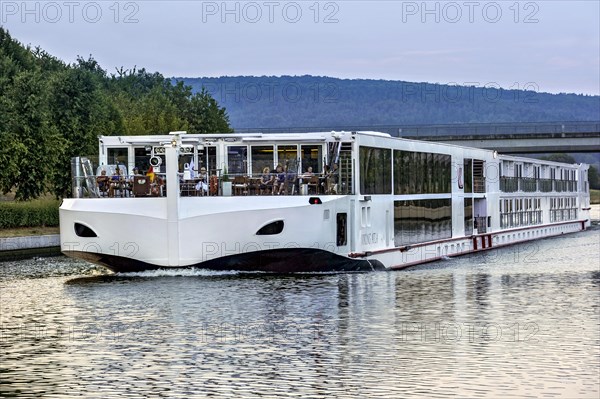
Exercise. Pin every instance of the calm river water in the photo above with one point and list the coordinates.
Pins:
(517, 322)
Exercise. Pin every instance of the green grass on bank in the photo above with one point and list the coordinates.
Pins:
(594, 196)
(37, 213)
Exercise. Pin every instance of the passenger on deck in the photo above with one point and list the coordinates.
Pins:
(266, 180)
(135, 172)
(291, 181)
(279, 182)
(102, 181)
(332, 180)
(323, 179)
(202, 185)
(117, 182)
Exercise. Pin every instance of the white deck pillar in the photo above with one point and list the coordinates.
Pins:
(171, 157)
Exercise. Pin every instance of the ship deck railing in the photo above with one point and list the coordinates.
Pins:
(216, 186)
(532, 185)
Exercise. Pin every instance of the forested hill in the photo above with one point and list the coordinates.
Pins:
(312, 101)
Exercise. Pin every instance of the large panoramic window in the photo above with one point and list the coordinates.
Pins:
(375, 170)
(421, 173)
(311, 156)
(117, 156)
(142, 158)
(422, 220)
(262, 155)
(287, 155)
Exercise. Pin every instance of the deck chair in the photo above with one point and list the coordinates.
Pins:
(240, 185)
(313, 185)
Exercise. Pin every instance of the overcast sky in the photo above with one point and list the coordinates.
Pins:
(551, 46)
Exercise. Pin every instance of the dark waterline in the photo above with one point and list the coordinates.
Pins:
(517, 322)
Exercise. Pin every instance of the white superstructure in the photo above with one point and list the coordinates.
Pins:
(384, 203)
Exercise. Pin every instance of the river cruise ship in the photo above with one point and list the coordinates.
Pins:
(310, 202)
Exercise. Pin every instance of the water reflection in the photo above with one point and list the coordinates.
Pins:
(502, 325)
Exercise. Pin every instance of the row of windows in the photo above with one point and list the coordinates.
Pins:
(253, 159)
(520, 218)
(422, 220)
(563, 209)
(517, 212)
(563, 203)
(414, 172)
(520, 204)
(561, 215)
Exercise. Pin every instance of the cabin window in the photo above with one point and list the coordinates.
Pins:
(207, 157)
(186, 159)
(262, 156)
(375, 170)
(421, 173)
(518, 170)
(118, 156)
(237, 160)
(422, 220)
(468, 174)
(468, 216)
(142, 158)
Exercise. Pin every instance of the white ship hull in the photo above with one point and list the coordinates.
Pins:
(226, 240)
(216, 233)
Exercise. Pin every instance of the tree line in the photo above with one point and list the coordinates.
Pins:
(51, 111)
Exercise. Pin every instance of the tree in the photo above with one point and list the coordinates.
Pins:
(205, 116)
(81, 111)
(30, 144)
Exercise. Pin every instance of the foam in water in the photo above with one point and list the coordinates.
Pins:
(179, 272)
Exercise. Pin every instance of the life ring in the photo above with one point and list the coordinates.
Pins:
(213, 185)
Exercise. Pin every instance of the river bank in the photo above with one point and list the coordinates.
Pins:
(13, 248)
